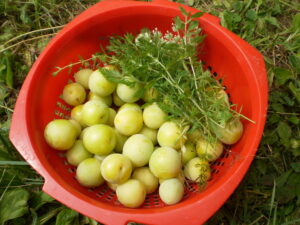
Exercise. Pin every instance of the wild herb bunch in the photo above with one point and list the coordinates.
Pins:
(168, 63)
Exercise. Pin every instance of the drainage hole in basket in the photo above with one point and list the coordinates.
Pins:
(147, 200)
(214, 163)
(90, 190)
(209, 68)
(226, 155)
(215, 74)
(99, 195)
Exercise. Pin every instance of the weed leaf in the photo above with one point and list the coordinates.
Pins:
(66, 217)
(13, 204)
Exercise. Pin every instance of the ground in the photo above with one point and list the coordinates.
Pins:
(270, 191)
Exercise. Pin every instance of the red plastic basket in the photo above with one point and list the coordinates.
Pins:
(240, 66)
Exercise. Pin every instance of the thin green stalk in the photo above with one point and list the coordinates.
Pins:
(13, 163)
(32, 32)
(27, 40)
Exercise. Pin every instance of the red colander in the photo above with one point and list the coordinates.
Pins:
(239, 65)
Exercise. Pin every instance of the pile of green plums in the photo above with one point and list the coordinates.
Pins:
(132, 147)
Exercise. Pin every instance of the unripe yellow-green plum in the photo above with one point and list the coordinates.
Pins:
(131, 194)
(100, 139)
(99, 85)
(60, 134)
(83, 132)
(74, 94)
(121, 139)
(180, 177)
(171, 191)
(150, 95)
(128, 121)
(131, 106)
(231, 133)
(116, 168)
(88, 173)
(210, 151)
(150, 133)
(138, 148)
(198, 170)
(170, 135)
(127, 93)
(188, 152)
(77, 153)
(154, 116)
(94, 112)
(76, 114)
(111, 117)
(117, 101)
(194, 136)
(82, 77)
(165, 162)
(222, 95)
(107, 100)
(145, 175)
(77, 125)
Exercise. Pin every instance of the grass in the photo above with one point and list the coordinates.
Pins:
(270, 192)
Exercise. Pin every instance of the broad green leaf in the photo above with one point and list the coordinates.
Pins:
(251, 15)
(294, 119)
(9, 73)
(282, 179)
(296, 166)
(272, 20)
(24, 14)
(236, 18)
(66, 217)
(4, 92)
(284, 131)
(237, 6)
(13, 204)
(295, 62)
(39, 199)
(296, 22)
(282, 75)
(92, 222)
(295, 91)
(284, 194)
